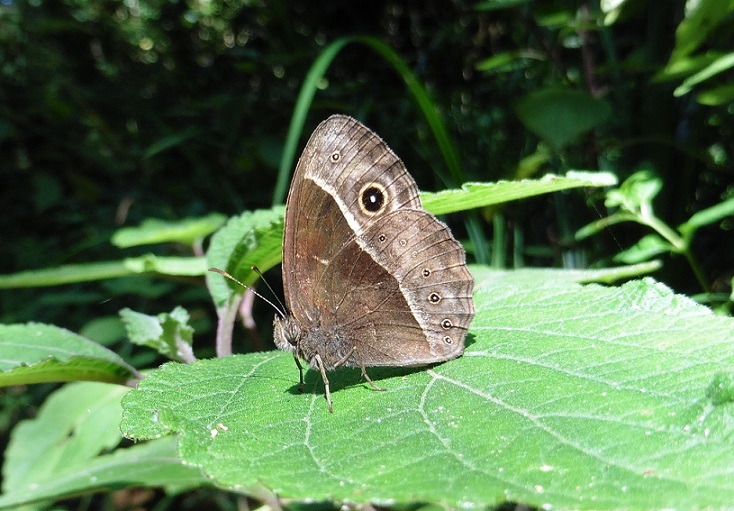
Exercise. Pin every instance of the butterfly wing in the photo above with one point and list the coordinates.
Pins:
(399, 295)
(324, 212)
(366, 271)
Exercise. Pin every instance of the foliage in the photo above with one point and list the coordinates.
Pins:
(633, 202)
(132, 130)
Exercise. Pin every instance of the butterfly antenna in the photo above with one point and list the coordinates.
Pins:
(257, 270)
(230, 277)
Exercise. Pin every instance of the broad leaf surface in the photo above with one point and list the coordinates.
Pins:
(150, 465)
(75, 424)
(34, 353)
(58, 453)
(477, 195)
(588, 397)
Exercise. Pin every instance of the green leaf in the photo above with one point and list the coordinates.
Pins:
(635, 193)
(169, 334)
(253, 238)
(485, 275)
(508, 61)
(603, 224)
(707, 216)
(72, 273)
(648, 247)
(721, 389)
(477, 195)
(170, 141)
(717, 96)
(75, 424)
(584, 397)
(702, 17)
(720, 65)
(180, 266)
(612, 10)
(154, 230)
(35, 353)
(684, 67)
(149, 465)
(560, 116)
(105, 330)
(57, 454)
(66, 274)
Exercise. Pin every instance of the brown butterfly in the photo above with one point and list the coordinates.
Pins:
(370, 277)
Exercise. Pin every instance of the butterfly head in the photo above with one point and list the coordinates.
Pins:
(286, 333)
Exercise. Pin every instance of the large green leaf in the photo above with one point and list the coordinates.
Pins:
(588, 397)
(476, 195)
(75, 424)
(60, 453)
(34, 353)
(151, 464)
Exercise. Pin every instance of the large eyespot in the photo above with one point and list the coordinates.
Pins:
(434, 297)
(372, 198)
(446, 324)
(335, 156)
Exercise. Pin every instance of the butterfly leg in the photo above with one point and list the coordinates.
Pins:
(345, 357)
(300, 373)
(361, 366)
(327, 391)
(364, 375)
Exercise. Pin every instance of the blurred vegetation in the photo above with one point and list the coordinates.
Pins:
(112, 113)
